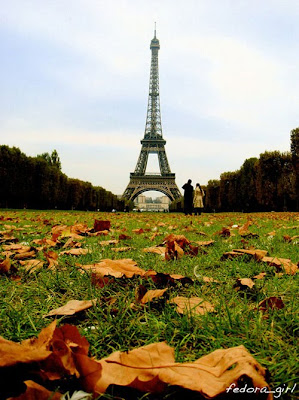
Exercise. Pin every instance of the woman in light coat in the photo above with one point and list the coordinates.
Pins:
(198, 199)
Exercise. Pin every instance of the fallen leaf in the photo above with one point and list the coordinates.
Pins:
(32, 265)
(34, 391)
(71, 243)
(192, 305)
(205, 243)
(71, 307)
(155, 249)
(162, 280)
(30, 350)
(243, 283)
(108, 242)
(45, 242)
(117, 268)
(271, 303)
(152, 368)
(25, 254)
(282, 264)
(52, 259)
(149, 295)
(79, 229)
(209, 280)
(121, 249)
(5, 266)
(257, 254)
(101, 225)
(261, 275)
(244, 228)
(75, 252)
(124, 237)
(138, 231)
(225, 232)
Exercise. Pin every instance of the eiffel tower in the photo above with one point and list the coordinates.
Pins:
(152, 143)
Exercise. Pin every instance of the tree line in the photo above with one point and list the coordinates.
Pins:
(38, 182)
(267, 183)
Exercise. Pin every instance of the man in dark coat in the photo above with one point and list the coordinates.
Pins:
(188, 197)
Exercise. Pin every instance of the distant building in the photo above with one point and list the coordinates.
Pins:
(148, 204)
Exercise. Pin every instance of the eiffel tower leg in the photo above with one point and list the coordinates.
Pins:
(163, 162)
(142, 162)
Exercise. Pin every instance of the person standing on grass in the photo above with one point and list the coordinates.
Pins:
(188, 197)
(198, 199)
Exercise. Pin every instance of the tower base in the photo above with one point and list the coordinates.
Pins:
(143, 183)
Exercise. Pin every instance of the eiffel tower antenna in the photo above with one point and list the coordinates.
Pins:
(152, 143)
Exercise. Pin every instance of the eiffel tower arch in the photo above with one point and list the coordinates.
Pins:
(152, 143)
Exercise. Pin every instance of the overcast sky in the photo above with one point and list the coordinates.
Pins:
(74, 76)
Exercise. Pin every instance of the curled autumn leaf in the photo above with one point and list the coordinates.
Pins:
(282, 264)
(153, 367)
(27, 351)
(71, 307)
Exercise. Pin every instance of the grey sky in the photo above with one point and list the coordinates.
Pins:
(74, 77)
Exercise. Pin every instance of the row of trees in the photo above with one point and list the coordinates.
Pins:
(37, 182)
(267, 183)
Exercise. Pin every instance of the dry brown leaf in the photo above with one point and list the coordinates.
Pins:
(117, 268)
(192, 305)
(71, 307)
(181, 240)
(27, 351)
(108, 242)
(271, 303)
(225, 232)
(282, 264)
(16, 247)
(35, 391)
(152, 294)
(79, 229)
(57, 231)
(45, 242)
(52, 259)
(124, 237)
(138, 231)
(71, 243)
(244, 228)
(205, 243)
(165, 279)
(121, 249)
(209, 280)
(257, 254)
(32, 265)
(152, 368)
(75, 252)
(25, 254)
(99, 225)
(155, 249)
(261, 275)
(5, 266)
(243, 283)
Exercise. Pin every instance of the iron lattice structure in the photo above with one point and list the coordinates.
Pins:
(153, 143)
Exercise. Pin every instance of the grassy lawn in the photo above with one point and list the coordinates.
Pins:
(114, 324)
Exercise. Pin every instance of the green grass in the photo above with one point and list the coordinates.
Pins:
(270, 338)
